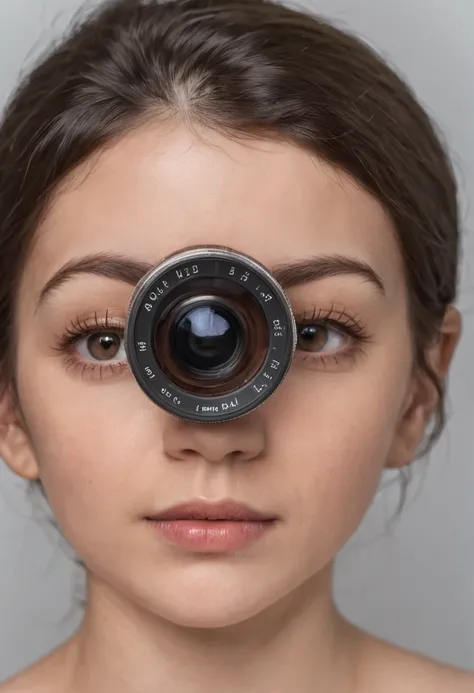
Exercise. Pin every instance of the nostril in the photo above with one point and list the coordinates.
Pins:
(182, 453)
(237, 455)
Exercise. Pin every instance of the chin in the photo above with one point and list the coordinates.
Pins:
(209, 616)
(206, 600)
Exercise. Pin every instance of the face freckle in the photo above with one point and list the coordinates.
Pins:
(313, 452)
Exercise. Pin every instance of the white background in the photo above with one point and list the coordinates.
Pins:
(413, 584)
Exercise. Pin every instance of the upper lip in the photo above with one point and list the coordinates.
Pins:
(206, 510)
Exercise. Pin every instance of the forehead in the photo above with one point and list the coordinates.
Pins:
(164, 188)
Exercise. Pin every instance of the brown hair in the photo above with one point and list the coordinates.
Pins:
(247, 68)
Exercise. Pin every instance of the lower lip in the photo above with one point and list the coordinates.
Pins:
(212, 536)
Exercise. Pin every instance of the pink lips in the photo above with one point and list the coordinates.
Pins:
(205, 527)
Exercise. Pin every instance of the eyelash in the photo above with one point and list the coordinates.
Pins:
(77, 330)
(342, 322)
(336, 319)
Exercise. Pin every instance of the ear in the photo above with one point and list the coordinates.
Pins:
(422, 397)
(15, 446)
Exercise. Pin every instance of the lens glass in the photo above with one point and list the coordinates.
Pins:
(212, 337)
(207, 339)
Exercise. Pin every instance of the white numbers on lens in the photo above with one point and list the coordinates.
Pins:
(169, 395)
(230, 404)
(159, 291)
(142, 346)
(245, 277)
(260, 388)
(214, 409)
(154, 295)
(274, 365)
(149, 372)
(266, 297)
(278, 329)
(232, 271)
(187, 272)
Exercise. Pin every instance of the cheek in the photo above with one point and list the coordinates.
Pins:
(333, 436)
(93, 442)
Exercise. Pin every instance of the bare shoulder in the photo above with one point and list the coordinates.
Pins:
(36, 679)
(26, 682)
(427, 676)
(396, 670)
(45, 676)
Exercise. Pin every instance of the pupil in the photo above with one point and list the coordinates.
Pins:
(313, 337)
(104, 346)
(206, 338)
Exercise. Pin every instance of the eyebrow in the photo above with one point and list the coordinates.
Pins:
(288, 275)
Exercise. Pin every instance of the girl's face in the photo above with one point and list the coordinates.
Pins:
(312, 454)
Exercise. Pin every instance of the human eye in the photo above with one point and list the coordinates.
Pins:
(329, 337)
(94, 346)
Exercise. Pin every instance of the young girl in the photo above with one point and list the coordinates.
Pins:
(153, 128)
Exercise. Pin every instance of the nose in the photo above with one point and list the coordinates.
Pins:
(242, 439)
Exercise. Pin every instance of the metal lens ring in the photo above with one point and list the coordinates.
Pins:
(210, 334)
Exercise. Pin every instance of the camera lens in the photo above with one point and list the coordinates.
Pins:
(207, 339)
(211, 343)
(210, 334)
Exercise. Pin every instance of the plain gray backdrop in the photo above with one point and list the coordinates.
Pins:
(412, 583)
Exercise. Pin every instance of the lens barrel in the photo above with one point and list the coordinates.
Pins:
(210, 334)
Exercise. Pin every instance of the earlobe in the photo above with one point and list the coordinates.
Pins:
(15, 447)
(415, 415)
(423, 398)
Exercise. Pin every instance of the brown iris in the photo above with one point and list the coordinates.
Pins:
(312, 337)
(104, 346)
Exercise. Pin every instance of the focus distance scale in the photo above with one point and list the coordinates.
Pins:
(210, 334)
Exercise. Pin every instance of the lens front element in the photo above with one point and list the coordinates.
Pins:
(207, 339)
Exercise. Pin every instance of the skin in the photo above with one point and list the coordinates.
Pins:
(262, 619)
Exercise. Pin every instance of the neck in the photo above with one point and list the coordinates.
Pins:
(301, 644)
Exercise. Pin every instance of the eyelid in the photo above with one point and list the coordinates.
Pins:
(340, 320)
(90, 325)
(81, 328)
(335, 314)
